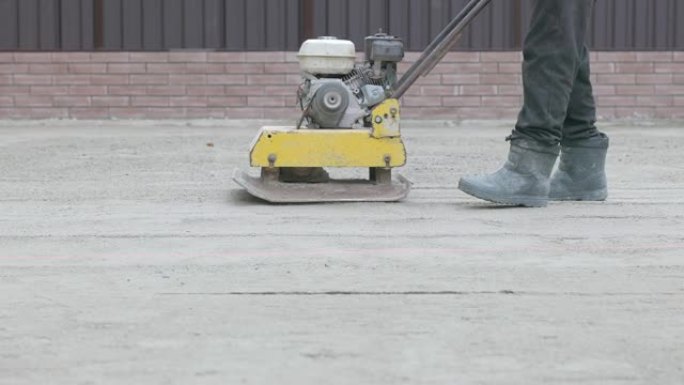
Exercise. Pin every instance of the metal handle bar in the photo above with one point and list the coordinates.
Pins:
(439, 47)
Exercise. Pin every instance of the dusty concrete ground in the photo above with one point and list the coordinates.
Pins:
(127, 255)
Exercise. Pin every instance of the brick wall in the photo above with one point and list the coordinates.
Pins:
(188, 85)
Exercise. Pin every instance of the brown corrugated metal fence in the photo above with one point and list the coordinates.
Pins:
(280, 25)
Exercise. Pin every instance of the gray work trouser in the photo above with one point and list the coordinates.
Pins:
(559, 104)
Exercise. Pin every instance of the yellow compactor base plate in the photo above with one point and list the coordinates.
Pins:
(333, 191)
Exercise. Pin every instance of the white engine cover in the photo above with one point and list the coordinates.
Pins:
(327, 56)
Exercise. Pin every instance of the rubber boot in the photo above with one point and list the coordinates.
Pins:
(522, 181)
(581, 173)
(303, 175)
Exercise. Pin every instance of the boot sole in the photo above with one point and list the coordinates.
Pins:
(515, 200)
(591, 196)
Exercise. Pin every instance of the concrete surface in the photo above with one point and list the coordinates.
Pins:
(127, 256)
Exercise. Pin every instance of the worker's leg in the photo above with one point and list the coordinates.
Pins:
(552, 52)
(581, 172)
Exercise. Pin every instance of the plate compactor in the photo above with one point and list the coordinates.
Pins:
(350, 119)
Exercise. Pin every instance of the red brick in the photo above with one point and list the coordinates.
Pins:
(147, 79)
(431, 80)
(679, 101)
(49, 90)
(476, 68)
(187, 57)
(42, 113)
(166, 90)
(510, 68)
(129, 112)
(109, 79)
(127, 90)
(227, 101)
(291, 57)
(617, 56)
(643, 90)
(150, 101)
(165, 113)
(654, 101)
(604, 90)
(293, 79)
(109, 57)
(422, 101)
(110, 101)
(654, 56)
(278, 68)
(246, 68)
(189, 101)
(654, 79)
(244, 113)
(633, 68)
(6, 57)
(602, 68)
(669, 89)
(226, 79)
(88, 90)
(72, 79)
(206, 90)
(149, 57)
(616, 79)
(508, 90)
(515, 57)
(226, 57)
(10, 113)
(205, 68)
(461, 79)
(462, 101)
(6, 101)
(462, 57)
(48, 68)
(277, 90)
(71, 101)
(14, 90)
(126, 68)
(89, 113)
(5, 80)
(497, 79)
(478, 90)
(249, 90)
(635, 112)
(438, 90)
(281, 113)
(205, 113)
(670, 112)
(264, 79)
(33, 100)
(166, 68)
(22, 79)
(30, 57)
(70, 57)
(264, 57)
(678, 79)
(7, 68)
(616, 101)
(266, 101)
(188, 79)
(501, 101)
(667, 68)
(87, 68)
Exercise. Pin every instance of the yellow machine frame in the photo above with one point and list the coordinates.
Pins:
(379, 147)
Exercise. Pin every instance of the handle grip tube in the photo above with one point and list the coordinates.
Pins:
(439, 47)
